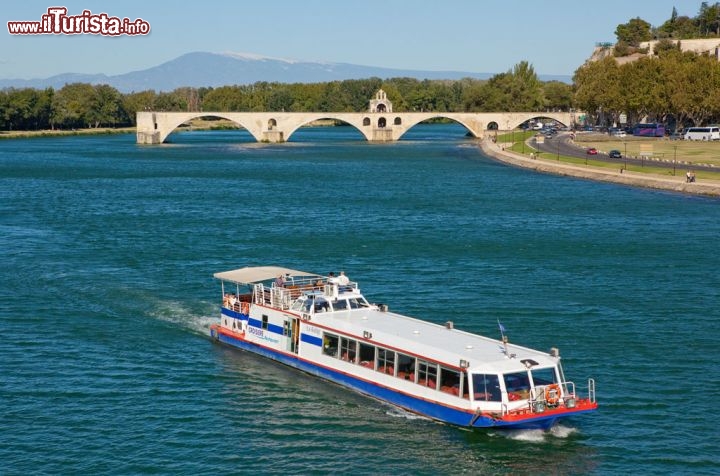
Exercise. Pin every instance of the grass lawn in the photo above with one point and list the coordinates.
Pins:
(684, 153)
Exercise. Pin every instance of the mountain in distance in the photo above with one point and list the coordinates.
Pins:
(202, 69)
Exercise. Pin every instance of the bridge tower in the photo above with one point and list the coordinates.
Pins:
(381, 130)
(381, 103)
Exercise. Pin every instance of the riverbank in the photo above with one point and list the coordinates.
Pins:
(625, 177)
(65, 132)
(199, 124)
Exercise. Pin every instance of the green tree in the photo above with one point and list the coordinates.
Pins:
(171, 101)
(558, 95)
(332, 99)
(26, 109)
(598, 89)
(665, 45)
(71, 105)
(708, 19)
(634, 32)
(136, 102)
(525, 90)
(279, 99)
(643, 89)
(226, 98)
(495, 94)
(473, 97)
(679, 28)
(105, 107)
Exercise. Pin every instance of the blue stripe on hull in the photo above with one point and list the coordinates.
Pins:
(413, 404)
(233, 314)
(311, 339)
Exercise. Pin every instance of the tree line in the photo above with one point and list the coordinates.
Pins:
(674, 87)
(81, 105)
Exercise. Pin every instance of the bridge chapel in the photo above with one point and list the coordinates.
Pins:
(381, 103)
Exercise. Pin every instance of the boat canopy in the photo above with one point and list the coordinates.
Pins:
(256, 274)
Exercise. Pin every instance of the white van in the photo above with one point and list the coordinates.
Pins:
(703, 133)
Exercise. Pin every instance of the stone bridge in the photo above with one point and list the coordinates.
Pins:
(384, 126)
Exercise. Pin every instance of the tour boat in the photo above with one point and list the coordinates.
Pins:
(323, 325)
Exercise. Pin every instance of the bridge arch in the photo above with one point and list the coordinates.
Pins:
(453, 117)
(514, 120)
(170, 126)
(329, 116)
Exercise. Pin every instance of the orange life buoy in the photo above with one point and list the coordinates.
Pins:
(245, 308)
(552, 394)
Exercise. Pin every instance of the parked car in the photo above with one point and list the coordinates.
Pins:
(678, 135)
(592, 151)
(619, 133)
(615, 154)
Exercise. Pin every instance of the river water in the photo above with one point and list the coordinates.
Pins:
(108, 250)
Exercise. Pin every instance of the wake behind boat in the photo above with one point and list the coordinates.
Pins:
(323, 325)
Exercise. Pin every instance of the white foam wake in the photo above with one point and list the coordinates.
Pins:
(175, 313)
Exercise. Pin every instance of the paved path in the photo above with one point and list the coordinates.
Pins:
(675, 184)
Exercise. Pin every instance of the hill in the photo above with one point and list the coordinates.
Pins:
(203, 69)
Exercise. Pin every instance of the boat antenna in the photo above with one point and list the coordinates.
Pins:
(504, 337)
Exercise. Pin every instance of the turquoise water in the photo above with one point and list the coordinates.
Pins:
(108, 250)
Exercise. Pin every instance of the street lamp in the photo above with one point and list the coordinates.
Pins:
(625, 155)
(674, 159)
(558, 149)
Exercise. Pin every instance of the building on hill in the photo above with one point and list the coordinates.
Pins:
(700, 46)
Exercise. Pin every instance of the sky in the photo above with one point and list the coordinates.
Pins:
(478, 36)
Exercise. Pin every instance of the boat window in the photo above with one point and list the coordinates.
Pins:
(298, 305)
(264, 321)
(486, 387)
(330, 345)
(321, 305)
(357, 302)
(405, 367)
(543, 376)
(340, 305)
(517, 385)
(367, 355)
(427, 374)
(348, 349)
(449, 381)
(386, 361)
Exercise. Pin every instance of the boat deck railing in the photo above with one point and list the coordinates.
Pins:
(539, 395)
(591, 389)
(282, 297)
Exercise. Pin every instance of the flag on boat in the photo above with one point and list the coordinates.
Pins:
(502, 328)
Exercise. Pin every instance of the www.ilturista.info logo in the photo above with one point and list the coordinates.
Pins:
(57, 22)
